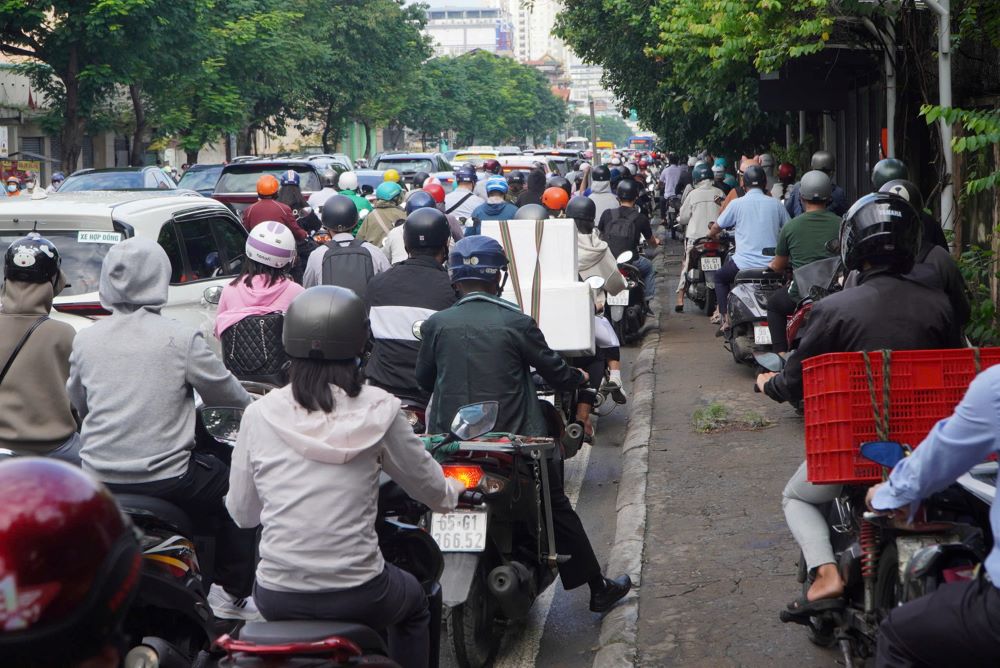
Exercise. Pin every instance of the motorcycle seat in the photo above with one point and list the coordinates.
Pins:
(151, 506)
(279, 633)
(758, 274)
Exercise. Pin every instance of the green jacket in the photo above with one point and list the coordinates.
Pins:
(361, 202)
(483, 349)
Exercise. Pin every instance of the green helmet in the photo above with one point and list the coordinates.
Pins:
(388, 191)
(701, 172)
(888, 169)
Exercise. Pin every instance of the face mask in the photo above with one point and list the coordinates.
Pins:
(12, 188)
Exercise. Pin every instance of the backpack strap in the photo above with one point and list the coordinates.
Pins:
(20, 344)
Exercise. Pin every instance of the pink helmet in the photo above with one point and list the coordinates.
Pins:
(271, 244)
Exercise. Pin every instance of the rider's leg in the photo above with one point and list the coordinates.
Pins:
(724, 278)
(801, 500)
(779, 307)
(645, 267)
(682, 283)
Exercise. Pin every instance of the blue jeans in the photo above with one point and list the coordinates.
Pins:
(724, 283)
(645, 267)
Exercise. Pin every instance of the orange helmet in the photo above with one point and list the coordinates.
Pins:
(555, 199)
(267, 185)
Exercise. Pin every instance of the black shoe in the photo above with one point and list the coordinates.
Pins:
(613, 591)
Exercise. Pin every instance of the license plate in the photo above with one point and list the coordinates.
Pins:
(460, 531)
(711, 263)
(761, 335)
(621, 299)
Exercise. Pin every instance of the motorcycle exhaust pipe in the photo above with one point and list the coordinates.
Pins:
(512, 586)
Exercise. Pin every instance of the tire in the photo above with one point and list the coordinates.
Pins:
(473, 627)
(709, 301)
(619, 328)
(887, 578)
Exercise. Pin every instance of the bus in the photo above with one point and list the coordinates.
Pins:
(642, 142)
(578, 143)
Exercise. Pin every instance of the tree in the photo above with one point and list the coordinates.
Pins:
(609, 128)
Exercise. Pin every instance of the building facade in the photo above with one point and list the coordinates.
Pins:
(458, 30)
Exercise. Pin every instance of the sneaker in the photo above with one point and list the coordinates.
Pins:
(616, 391)
(226, 606)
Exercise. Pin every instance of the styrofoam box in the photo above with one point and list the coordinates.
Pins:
(566, 318)
(556, 257)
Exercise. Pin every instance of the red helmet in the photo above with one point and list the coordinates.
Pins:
(786, 172)
(435, 190)
(643, 164)
(492, 166)
(69, 563)
(555, 198)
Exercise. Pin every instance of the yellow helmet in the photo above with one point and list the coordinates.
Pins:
(391, 175)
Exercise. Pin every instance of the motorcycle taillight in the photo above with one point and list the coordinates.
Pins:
(468, 475)
(710, 245)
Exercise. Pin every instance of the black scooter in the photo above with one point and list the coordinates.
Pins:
(627, 310)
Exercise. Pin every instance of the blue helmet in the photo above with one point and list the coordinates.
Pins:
(419, 200)
(466, 174)
(58, 176)
(290, 178)
(476, 258)
(496, 184)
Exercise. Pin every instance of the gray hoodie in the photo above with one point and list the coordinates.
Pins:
(601, 193)
(133, 374)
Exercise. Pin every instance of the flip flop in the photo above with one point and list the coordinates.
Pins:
(802, 608)
(678, 308)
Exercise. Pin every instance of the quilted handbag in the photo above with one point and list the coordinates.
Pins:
(252, 349)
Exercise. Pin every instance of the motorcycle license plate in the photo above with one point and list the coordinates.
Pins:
(761, 335)
(460, 531)
(711, 263)
(621, 299)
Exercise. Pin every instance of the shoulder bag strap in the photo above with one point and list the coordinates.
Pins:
(459, 202)
(20, 344)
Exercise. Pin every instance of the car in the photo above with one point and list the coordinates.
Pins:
(474, 157)
(237, 185)
(407, 164)
(203, 238)
(524, 163)
(118, 178)
(201, 178)
(508, 150)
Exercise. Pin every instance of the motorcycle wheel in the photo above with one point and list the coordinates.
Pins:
(887, 578)
(709, 301)
(619, 327)
(820, 632)
(473, 627)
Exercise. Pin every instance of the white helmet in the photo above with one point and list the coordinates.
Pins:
(348, 181)
(692, 161)
(271, 244)
(632, 168)
(616, 161)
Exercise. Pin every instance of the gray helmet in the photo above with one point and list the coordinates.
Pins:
(754, 177)
(340, 213)
(328, 178)
(816, 186)
(766, 160)
(326, 322)
(823, 161)
(701, 172)
(888, 169)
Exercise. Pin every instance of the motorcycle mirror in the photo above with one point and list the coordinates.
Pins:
(595, 282)
(832, 246)
(213, 294)
(222, 424)
(625, 257)
(367, 190)
(475, 420)
(362, 214)
(886, 453)
(416, 330)
(771, 361)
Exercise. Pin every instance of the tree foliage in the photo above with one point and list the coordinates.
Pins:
(609, 128)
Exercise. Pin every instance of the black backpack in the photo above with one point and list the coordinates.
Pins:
(253, 351)
(348, 266)
(619, 233)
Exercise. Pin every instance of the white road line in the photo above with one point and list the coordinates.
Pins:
(520, 644)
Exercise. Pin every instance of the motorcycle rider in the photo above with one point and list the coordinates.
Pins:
(483, 348)
(35, 414)
(384, 216)
(600, 191)
(802, 240)
(490, 167)
(786, 177)
(348, 184)
(291, 196)
(956, 623)
(318, 444)
(535, 186)
(757, 219)
(879, 237)
(496, 206)
(698, 211)
(339, 217)
(515, 186)
(132, 378)
(328, 179)
(719, 176)
(891, 169)
(62, 612)
(624, 228)
(57, 179)
(766, 161)
(268, 208)
(555, 199)
(462, 201)
(824, 162)
(738, 190)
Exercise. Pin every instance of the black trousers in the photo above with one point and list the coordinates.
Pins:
(957, 625)
(779, 306)
(201, 494)
(594, 366)
(570, 536)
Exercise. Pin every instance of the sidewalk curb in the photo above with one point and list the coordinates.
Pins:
(617, 638)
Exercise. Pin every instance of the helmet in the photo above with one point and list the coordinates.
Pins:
(267, 185)
(466, 174)
(340, 213)
(632, 168)
(786, 173)
(881, 228)
(431, 179)
(326, 322)
(581, 208)
(701, 172)
(560, 182)
(766, 160)
(418, 179)
(616, 161)
(272, 244)
(616, 176)
(554, 198)
(601, 173)
(721, 162)
(290, 177)
(420, 199)
(31, 259)
(391, 175)
(643, 164)
(435, 190)
(729, 180)
(58, 176)
(13, 179)
(426, 228)
(348, 181)
(532, 212)
(905, 189)
(718, 169)
(70, 558)
(515, 177)
(328, 178)
(492, 166)
(628, 190)
(388, 191)
(816, 186)
(496, 184)
(886, 170)
(823, 161)
(476, 258)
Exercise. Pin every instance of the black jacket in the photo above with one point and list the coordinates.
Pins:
(482, 349)
(884, 311)
(410, 291)
(936, 267)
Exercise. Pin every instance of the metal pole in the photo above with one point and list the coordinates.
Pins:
(788, 135)
(802, 127)
(890, 94)
(596, 160)
(943, 10)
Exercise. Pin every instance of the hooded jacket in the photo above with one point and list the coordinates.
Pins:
(495, 211)
(605, 200)
(311, 479)
(35, 414)
(533, 188)
(239, 301)
(132, 375)
(699, 209)
(594, 258)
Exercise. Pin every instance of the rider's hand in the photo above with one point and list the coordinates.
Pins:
(654, 241)
(586, 376)
(763, 378)
(903, 511)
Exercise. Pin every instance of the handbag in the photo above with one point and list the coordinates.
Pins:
(252, 348)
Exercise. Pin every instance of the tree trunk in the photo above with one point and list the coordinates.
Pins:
(137, 154)
(368, 140)
(191, 156)
(71, 135)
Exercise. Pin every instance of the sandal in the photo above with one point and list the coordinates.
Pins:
(801, 609)
(678, 308)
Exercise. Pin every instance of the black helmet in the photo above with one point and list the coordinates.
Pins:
(754, 177)
(328, 178)
(426, 228)
(628, 190)
(419, 199)
(701, 172)
(905, 189)
(532, 212)
(418, 179)
(601, 173)
(326, 322)
(340, 213)
(581, 208)
(823, 161)
(882, 229)
(888, 169)
(31, 259)
(560, 182)
(816, 186)
(515, 177)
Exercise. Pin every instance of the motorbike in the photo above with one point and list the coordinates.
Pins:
(704, 259)
(815, 281)
(627, 310)
(748, 334)
(673, 208)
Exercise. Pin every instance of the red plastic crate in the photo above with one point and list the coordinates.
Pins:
(925, 386)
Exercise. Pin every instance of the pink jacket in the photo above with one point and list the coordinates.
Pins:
(238, 301)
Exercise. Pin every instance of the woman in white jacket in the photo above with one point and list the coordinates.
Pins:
(306, 466)
(699, 210)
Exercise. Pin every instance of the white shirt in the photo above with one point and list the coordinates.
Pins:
(318, 199)
(393, 246)
(467, 207)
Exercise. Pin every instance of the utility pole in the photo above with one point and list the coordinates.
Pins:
(943, 9)
(596, 160)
